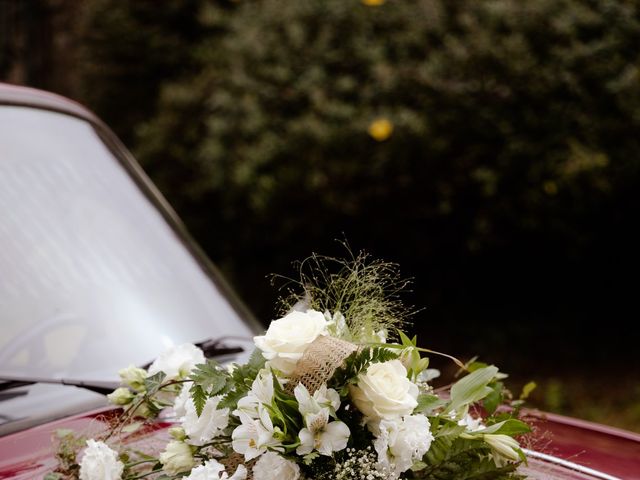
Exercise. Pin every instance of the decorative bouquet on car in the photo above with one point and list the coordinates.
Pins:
(334, 389)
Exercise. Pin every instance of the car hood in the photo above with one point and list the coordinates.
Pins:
(31, 453)
(562, 448)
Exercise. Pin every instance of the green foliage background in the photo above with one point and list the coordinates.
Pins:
(508, 187)
(513, 160)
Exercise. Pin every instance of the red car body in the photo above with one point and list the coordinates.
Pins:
(570, 448)
(562, 448)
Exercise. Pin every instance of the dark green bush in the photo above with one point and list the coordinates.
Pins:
(508, 185)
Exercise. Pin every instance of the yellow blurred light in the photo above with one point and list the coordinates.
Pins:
(373, 3)
(380, 129)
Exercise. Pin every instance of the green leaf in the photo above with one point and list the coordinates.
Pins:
(132, 427)
(494, 399)
(511, 427)
(406, 341)
(199, 397)
(210, 377)
(231, 399)
(428, 403)
(473, 366)
(53, 476)
(153, 383)
(256, 360)
(357, 363)
(472, 388)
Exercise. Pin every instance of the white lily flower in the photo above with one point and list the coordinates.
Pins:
(261, 393)
(323, 397)
(253, 436)
(321, 435)
(471, 424)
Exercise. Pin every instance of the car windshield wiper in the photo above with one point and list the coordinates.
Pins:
(99, 386)
(216, 347)
(213, 347)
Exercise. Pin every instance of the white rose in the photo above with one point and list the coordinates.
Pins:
(99, 462)
(384, 391)
(272, 466)
(177, 362)
(210, 424)
(213, 470)
(120, 396)
(177, 458)
(287, 338)
(401, 443)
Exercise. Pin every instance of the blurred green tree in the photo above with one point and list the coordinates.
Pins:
(490, 146)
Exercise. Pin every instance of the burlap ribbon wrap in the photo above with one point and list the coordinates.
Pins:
(318, 364)
(320, 361)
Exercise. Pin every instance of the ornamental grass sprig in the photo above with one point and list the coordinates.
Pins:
(365, 291)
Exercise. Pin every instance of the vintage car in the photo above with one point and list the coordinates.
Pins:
(89, 251)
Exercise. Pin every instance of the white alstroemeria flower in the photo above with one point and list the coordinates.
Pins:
(178, 361)
(505, 448)
(321, 435)
(272, 466)
(177, 458)
(261, 393)
(210, 424)
(99, 462)
(323, 397)
(253, 436)
(287, 338)
(471, 424)
(214, 470)
(400, 443)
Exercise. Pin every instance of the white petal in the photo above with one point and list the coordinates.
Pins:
(334, 438)
(306, 442)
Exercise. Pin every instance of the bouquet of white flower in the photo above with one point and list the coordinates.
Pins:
(334, 389)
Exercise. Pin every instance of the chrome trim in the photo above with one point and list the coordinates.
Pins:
(567, 464)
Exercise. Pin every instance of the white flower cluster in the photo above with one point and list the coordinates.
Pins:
(387, 399)
(285, 435)
(99, 462)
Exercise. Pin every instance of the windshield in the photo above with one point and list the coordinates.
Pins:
(92, 278)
